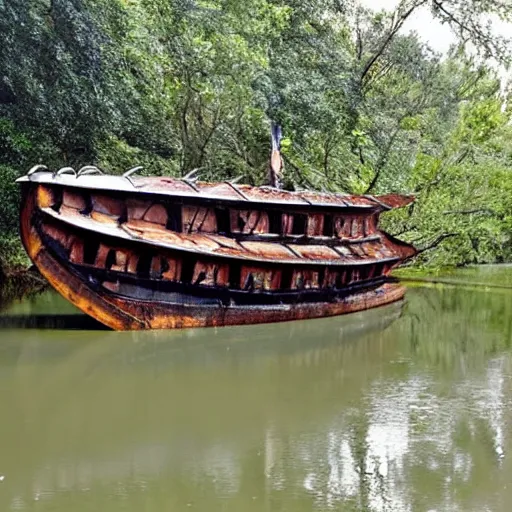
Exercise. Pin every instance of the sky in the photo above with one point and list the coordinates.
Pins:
(438, 36)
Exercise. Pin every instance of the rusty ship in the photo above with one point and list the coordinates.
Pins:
(163, 253)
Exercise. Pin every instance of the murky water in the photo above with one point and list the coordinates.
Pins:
(404, 408)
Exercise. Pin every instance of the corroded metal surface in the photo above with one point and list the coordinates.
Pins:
(222, 246)
(126, 314)
(147, 253)
(217, 191)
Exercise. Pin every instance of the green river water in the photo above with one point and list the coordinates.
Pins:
(403, 408)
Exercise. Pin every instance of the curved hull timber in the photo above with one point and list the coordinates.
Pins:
(154, 253)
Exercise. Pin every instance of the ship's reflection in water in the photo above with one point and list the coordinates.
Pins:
(400, 408)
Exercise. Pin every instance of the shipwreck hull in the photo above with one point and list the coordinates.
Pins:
(162, 253)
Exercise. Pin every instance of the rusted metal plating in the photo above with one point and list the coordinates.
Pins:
(225, 191)
(139, 253)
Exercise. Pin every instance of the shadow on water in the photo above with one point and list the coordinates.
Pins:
(176, 346)
(78, 322)
(37, 311)
(42, 310)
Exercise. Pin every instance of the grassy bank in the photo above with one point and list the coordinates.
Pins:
(18, 284)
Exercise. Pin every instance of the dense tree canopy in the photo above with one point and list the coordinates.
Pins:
(180, 84)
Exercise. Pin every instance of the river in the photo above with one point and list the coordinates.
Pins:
(403, 408)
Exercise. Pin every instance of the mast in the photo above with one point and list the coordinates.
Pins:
(276, 161)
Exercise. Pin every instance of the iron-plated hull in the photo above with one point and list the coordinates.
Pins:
(163, 253)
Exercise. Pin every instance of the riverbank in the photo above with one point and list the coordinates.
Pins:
(13, 257)
(17, 284)
(479, 276)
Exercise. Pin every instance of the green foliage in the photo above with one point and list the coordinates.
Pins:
(11, 251)
(180, 84)
(464, 194)
(9, 199)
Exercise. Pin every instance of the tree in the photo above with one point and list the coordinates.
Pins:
(175, 85)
